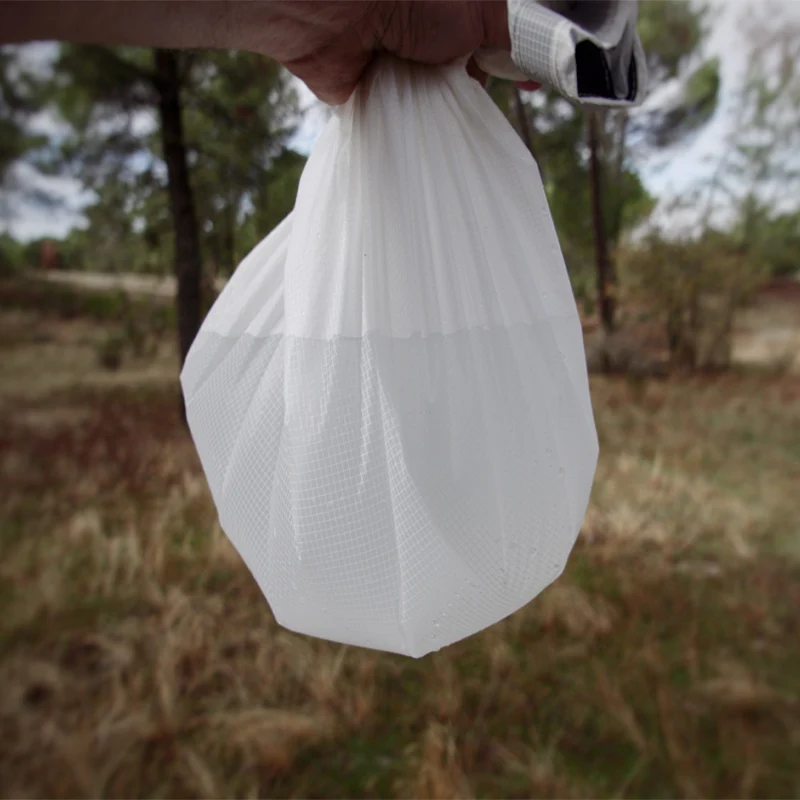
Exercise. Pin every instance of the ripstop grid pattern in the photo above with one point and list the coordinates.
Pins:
(390, 398)
(544, 41)
(532, 30)
(388, 510)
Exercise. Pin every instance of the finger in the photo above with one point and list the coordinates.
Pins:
(333, 72)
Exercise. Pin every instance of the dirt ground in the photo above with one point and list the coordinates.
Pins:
(139, 659)
(147, 285)
(768, 333)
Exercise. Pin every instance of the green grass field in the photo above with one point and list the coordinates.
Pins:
(139, 659)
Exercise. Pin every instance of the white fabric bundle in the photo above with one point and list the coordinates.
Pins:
(390, 397)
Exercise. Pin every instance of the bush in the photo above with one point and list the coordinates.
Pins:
(585, 290)
(110, 351)
(65, 301)
(695, 286)
(11, 252)
(141, 324)
(62, 301)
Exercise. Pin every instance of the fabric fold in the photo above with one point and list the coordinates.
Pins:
(588, 50)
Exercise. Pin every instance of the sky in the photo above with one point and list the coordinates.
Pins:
(680, 166)
(667, 176)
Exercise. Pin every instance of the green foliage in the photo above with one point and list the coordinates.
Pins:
(771, 239)
(694, 285)
(239, 109)
(583, 286)
(559, 145)
(20, 99)
(703, 83)
(274, 199)
(140, 331)
(670, 33)
(110, 351)
(66, 302)
(696, 106)
(11, 255)
(17, 102)
(138, 325)
(757, 168)
(778, 244)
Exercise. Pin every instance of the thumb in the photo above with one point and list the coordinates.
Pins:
(331, 76)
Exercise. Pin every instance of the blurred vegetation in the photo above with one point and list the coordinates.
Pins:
(66, 302)
(137, 655)
(11, 255)
(17, 102)
(695, 286)
(590, 158)
(239, 111)
(178, 151)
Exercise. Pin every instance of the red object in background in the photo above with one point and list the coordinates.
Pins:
(49, 257)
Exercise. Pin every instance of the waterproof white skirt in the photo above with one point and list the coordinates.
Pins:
(390, 397)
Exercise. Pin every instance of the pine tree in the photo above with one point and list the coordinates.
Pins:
(204, 126)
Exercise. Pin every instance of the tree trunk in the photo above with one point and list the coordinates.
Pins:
(188, 268)
(230, 233)
(605, 269)
(523, 123)
(619, 175)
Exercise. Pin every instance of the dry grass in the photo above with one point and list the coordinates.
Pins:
(138, 658)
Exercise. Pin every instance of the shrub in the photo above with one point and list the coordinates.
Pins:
(585, 290)
(10, 256)
(110, 351)
(695, 286)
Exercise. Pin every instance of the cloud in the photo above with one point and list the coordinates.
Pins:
(35, 205)
(679, 169)
(679, 166)
(26, 219)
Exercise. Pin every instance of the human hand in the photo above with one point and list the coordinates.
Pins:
(329, 43)
(326, 43)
